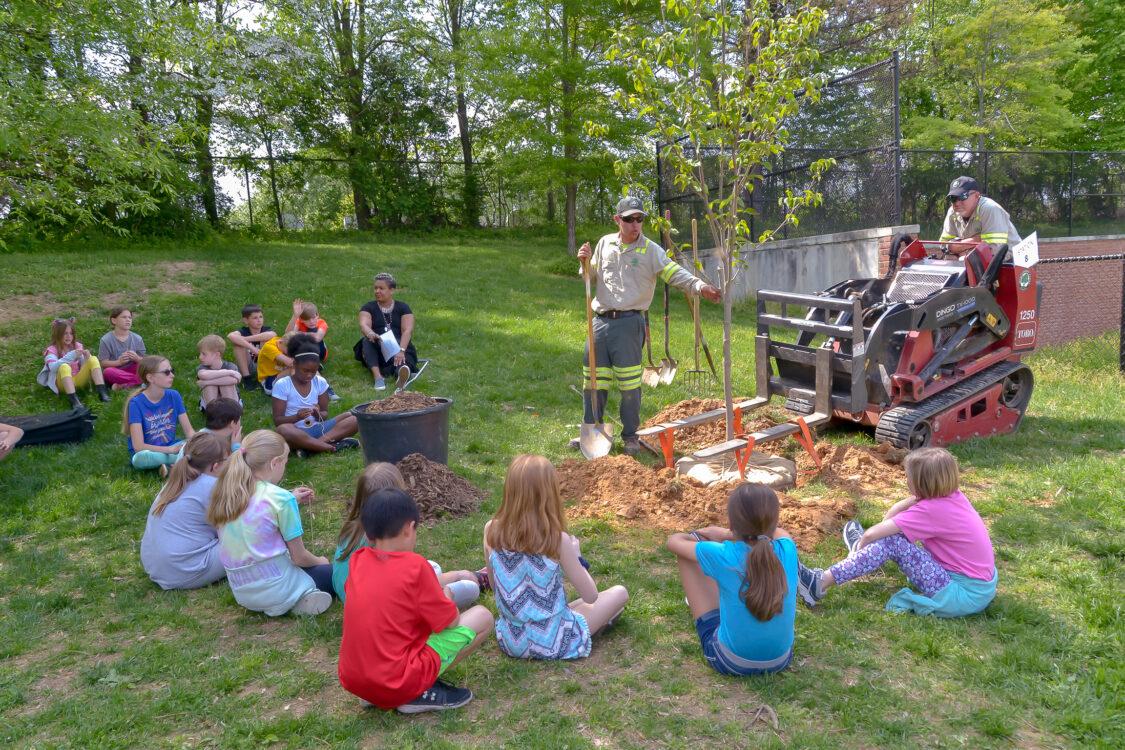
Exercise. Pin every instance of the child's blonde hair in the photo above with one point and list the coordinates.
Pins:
(147, 366)
(283, 342)
(203, 450)
(212, 343)
(753, 510)
(59, 327)
(531, 518)
(235, 485)
(376, 476)
(932, 472)
(309, 311)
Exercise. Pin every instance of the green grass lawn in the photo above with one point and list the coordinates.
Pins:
(92, 654)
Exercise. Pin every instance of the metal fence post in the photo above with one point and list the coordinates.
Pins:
(1070, 210)
(249, 202)
(898, 143)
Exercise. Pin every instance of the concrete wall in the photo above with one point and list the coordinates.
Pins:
(811, 264)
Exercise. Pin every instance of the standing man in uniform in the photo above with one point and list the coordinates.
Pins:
(971, 216)
(626, 265)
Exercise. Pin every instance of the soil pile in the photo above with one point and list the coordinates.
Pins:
(401, 402)
(439, 492)
(621, 486)
(855, 469)
(691, 439)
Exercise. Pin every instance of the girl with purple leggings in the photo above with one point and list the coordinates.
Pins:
(954, 569)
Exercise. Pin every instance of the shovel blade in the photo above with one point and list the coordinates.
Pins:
(650, 376)
(596, 440)
(668, 370)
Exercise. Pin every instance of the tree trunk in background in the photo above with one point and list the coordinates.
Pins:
(204, 160)
(353, 111)
(570, 148)
(273, 187)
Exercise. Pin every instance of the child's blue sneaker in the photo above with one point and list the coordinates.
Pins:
(333, 397)
(380, 384)
(853, 532)
(808, 584)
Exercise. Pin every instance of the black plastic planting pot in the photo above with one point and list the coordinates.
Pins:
(393, 436)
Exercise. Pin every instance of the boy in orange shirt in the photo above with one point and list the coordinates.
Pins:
(401, 628)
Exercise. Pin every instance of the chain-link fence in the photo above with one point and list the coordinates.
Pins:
(855, 122)
(1056, 193)
(876, 183)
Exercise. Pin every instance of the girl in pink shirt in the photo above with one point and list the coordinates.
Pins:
(954, 568)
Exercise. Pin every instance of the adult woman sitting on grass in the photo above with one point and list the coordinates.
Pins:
(375, 319)
(741, 585)
(300, 405)
(179, 549)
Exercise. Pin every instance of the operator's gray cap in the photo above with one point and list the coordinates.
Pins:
(630, 205)
(962, 185)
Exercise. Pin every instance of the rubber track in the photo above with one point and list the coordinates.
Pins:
(896, 424)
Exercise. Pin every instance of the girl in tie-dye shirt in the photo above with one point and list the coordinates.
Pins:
(261, 542)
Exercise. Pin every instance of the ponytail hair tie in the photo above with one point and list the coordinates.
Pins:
(63, 320)
(764, 538)
(242, 450)
(187, 458)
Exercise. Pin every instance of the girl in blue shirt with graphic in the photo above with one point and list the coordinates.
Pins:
(152, 414)
(741, 585)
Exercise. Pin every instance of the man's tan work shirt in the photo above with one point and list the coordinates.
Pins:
(626, 276)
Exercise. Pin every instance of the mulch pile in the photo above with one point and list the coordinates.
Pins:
(400, 403)
(439, 492)
(691, 439)
(622, 487)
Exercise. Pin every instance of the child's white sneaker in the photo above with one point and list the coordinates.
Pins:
(853, 532)
(312, 603)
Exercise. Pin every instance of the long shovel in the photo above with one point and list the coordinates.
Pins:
(596, 439)
(695, 380)
(667, 365)
(650, 375)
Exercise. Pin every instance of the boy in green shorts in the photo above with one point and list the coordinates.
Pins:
(401, 628)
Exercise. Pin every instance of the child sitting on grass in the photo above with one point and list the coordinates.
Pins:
(247, 341)
(464, 585)
(223, 418)
(274, 361)
(179, 549)
(214, 376)
(67, 365)
(261, 541)
(401, 629)
(741, 585)
(151, 416)
(528, 553)
(954, 569)
(306, 319)
(300, 405)
(120, 350)
(10, 435)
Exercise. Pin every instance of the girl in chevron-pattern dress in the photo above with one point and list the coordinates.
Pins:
(529, 553)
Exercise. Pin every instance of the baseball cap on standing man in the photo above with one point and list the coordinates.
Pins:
(630, 205)
(962, 186)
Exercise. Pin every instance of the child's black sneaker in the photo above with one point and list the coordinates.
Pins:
(344, 444)
(440, 697)
(808, 584)
(249, 382)
(853, 532)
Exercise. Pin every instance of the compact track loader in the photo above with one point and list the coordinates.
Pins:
(929, 354)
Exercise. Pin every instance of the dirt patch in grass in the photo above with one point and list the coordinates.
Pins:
(137, 286)
(401, 403)
(854, 469)
(439, 492)
(622, 487)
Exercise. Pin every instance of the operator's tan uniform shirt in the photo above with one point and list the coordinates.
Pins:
(626, 276)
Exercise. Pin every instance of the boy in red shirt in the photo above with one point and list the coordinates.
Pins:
(401, 629)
